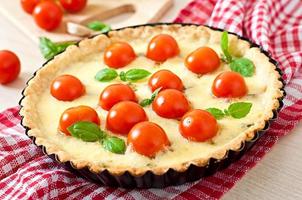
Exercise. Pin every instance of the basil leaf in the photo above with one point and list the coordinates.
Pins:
(243, 66)
(99, 26)
(114, 144)
(217, 113)
(123, 76)
(86, 131)
(136, 74)
(50, 49)
(106, 75)
(240, 109)
(155, 93)
(147, 102)
(225, 46)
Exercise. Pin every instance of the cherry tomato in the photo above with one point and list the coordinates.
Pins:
(198, 125)
(73, 6)
(77, 114)
(48, 15)
(162, 47)
(9, 66)
(203, 60)
(66, 88)
(29, 5)
(118, 55)
(123, 116)
(166, 80)
(229, 85)
(115, 93)
(148, 138)
(170, 103)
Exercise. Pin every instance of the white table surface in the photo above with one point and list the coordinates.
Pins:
(277, 176)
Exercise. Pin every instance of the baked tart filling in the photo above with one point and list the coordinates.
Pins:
(151, 98)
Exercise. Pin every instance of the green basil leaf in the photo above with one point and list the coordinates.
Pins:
(155, 93)
(136, 74)
(217, 113)
(86, 131)
(244, 66)
(225, 46)
(50, 49)
(147, 102)
(114, 144)
(240, 109)
(47, 48)
(106, 75)
(123, 76)
(99, 26)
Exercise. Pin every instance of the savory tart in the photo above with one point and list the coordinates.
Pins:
(151, 98)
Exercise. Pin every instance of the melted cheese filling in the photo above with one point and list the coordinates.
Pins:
(198, 92)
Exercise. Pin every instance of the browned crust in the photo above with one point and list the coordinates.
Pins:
(44, 76)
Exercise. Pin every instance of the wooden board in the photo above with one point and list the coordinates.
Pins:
(143, 11)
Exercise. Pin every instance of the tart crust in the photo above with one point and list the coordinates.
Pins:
(45, 75)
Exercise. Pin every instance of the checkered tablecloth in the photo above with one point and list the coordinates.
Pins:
(25, 173)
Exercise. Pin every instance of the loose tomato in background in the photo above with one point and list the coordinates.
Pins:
(48, 15)
(9, 66)
(162, 47)
(203, 60)
(77, 114)
(148, 138)
(66, 88)
(73, 6)
(165, 79)
(198, 125)
(115, 93)
(229, 85)
(170, 103)
(123, 116)
(119, 54)
(29, 5)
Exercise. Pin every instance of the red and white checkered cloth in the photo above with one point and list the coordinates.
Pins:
(25, 173)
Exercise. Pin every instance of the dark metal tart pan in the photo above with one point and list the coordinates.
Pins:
(171, 177)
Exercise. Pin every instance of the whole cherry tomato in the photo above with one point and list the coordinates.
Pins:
(229, 85)
(123, 116)
(73, 6)
(170, 103)
(77, 114)
(148, 138)
(162, 47)
(198, 125)
(9, 66)
(29, 5)
(119, 54)
(165, 79)
(66, 88)
(115, 93)
(203, 60)
(48, 15)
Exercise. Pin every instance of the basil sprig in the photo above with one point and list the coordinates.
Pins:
(131, 75)
(99, 26)
(90, 132)
(236, 110)
(147, 102)
(50, 49)
(244, 66)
